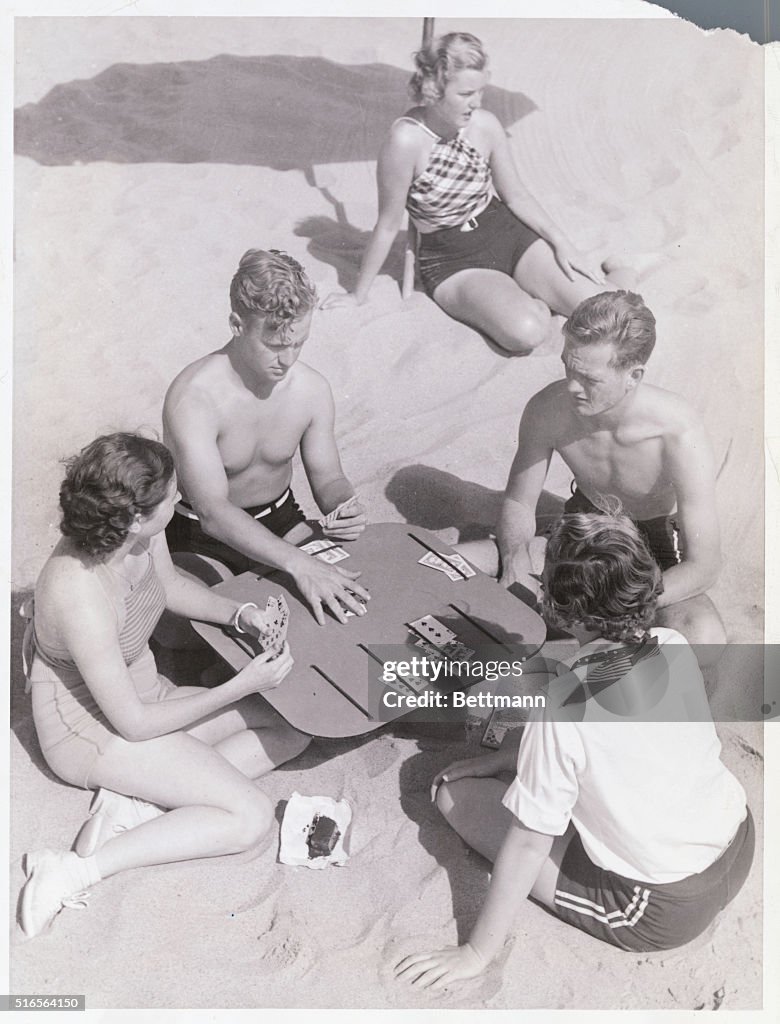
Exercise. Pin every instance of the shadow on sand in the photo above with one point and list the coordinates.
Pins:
(437, 500)
(277, 111)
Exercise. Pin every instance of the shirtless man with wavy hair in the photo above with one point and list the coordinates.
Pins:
(234, 420)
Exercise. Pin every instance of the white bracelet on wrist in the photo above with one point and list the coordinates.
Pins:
(237, 615)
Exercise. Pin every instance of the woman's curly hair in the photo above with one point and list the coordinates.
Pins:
(107, 484)
(437, 63)
(599, 572)
(274, 286)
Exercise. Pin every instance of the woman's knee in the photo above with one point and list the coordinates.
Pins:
(526, 330)
(251, 821)
(294, 742)
(447, 799)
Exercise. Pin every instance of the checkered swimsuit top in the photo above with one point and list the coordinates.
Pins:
(455, 186)
(144, 605)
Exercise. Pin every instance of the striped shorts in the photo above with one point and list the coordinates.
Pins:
(647, 916)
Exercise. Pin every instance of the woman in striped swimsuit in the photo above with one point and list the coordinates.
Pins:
(489, 254)
(105, 719)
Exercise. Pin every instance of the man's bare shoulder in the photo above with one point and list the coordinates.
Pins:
(548, 405)
(203, 373)
(198, 390)
(669, 413)
(310, 383)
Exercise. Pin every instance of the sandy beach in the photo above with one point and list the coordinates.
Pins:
(150, 154)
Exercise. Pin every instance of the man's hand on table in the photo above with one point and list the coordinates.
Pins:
(329, 586)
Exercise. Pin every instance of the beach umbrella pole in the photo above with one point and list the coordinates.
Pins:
(410, 253)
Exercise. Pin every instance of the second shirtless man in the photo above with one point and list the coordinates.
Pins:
(234, 420)
(626, 439)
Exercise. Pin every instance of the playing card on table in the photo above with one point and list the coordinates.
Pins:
(399, 686)
(409, 682)
(332, 555)
(432, 630)
(348, 611)
(460, 563)
(434, 653)
(434, 561)
(458, 651)
(325, 551)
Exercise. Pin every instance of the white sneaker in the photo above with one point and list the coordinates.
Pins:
(111, 813)
(53, 882)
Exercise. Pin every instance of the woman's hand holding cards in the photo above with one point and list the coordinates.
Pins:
(266, 671)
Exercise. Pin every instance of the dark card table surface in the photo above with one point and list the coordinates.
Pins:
(335, 687)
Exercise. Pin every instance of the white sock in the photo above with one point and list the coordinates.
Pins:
(85, 870)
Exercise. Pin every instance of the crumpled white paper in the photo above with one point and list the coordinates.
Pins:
(298, 817)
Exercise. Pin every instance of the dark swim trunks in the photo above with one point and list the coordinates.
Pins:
(645, 916)
(184, 532)
(496, 243)
(662, 535)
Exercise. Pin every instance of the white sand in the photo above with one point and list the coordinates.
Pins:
(154, 152)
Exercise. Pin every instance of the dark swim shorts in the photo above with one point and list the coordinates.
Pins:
(496, 243)
(184, 532)
(646, 916)
(662, 535)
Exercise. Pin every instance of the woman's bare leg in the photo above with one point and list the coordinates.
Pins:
(473, 808)
(249, 734)
(216, 809)
(538, 273)
(493, 303)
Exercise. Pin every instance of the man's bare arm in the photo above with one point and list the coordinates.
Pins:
(322, 463)
(690, 465)
(517, 521)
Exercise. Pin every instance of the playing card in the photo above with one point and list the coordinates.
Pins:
(339, 511)
(500, 723)
(427, 648)
(277, 615)
(332, 555)
(325, 550)
(348, 611)
(457, 651)
(460, 563)
(400, 686)
(434, 561)
(432, 630)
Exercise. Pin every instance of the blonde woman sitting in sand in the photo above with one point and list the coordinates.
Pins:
(104, 717)
(489, 255)
(621, 819)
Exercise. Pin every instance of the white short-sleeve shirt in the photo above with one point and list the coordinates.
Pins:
(647, 792)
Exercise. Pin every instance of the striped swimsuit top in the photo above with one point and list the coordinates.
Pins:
(144, 605)
(454, 187)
